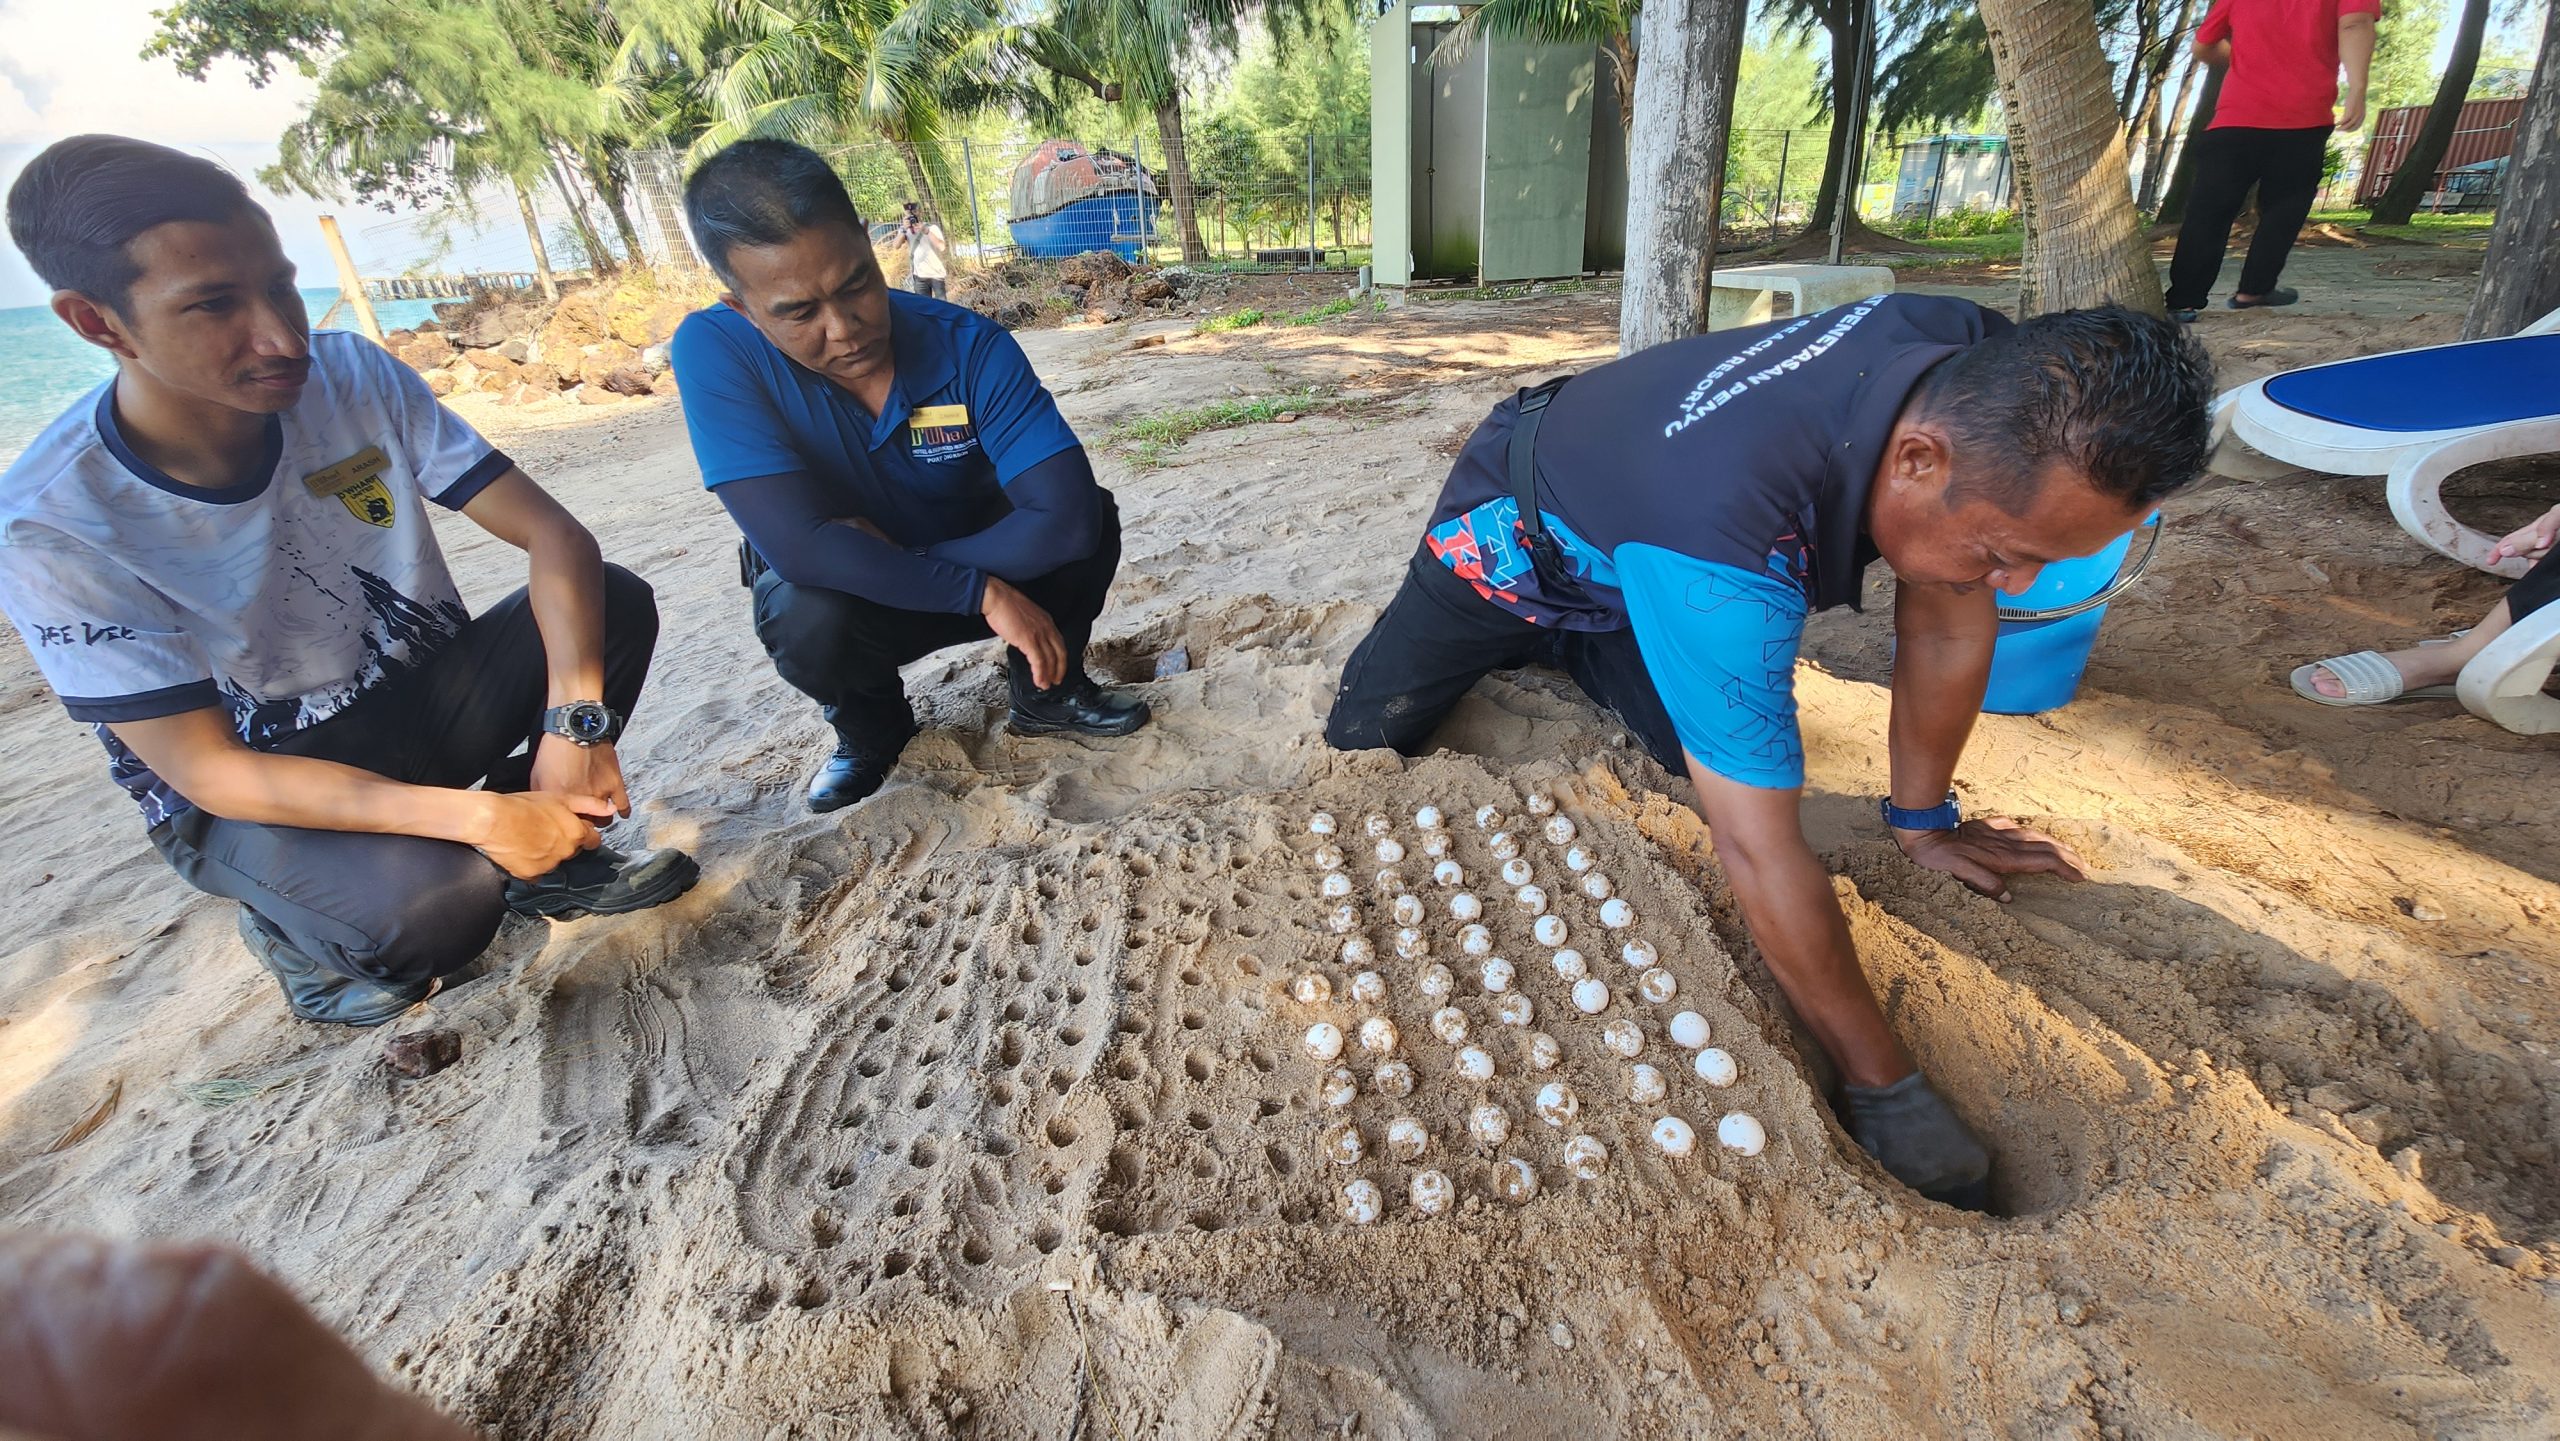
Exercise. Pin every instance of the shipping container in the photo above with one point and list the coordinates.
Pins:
(2486, 131)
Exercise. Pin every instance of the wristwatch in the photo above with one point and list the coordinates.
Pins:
(1944, 816)
(583, 722)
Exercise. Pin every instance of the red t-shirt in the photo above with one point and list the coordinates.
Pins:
(2284, 60)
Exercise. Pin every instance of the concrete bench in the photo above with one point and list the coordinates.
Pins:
(1745, 294)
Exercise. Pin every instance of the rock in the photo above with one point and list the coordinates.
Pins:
(1151, 287)
(576, 323)
(393, 340)
(628, 380)
(653, 358)
(599, 361)
(439, 383)
(1173, 662)
(497, 373)
(425, 352)
(664, 384)
(422, 1053)
(540, 377)
(516, 349)
(597, 395)
(1092, 267)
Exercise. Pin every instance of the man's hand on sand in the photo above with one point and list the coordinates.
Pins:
(1022, 624)
(1985, 853)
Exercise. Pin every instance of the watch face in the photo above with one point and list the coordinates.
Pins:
(589, 722)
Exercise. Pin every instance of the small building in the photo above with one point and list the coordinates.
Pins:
(1947, 173)
(1501, 160)
(2486, 130)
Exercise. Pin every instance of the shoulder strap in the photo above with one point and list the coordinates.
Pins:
(1523, 458)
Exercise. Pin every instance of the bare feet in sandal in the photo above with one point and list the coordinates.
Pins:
(2428, 663)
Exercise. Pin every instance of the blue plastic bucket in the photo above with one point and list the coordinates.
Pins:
(2048, 629)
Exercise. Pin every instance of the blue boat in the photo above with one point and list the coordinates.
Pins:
(1068, 200)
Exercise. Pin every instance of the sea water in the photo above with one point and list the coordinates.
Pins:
(44, 367)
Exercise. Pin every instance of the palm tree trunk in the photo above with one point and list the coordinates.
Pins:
(1675, 166)
(2417, 173)
(1177, 175)
(2173, 201)
(541, 252)
(2084, 243)
(2520, 277)
(1621, 52)
(599, 259)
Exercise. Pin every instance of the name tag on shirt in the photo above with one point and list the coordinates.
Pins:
(356, 482)
(941, 432)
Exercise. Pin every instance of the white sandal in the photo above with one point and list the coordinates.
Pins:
(2367, 678)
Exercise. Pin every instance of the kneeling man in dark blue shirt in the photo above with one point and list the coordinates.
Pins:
(1687, 506)
(904, 481)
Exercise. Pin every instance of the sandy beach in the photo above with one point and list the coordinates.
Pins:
(979, 1109)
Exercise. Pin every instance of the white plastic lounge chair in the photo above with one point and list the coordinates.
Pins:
(2504, 682)
(2415, 416)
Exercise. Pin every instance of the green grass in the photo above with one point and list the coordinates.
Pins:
(1998, 245)
(1317, 315)
(2433, 229)
(1149, 440)
(1242, 319)
(1503, 292)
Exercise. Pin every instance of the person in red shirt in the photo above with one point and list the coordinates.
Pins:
(2270, 129)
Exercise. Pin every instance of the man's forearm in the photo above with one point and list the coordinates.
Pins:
(318, 795)
(566, 590)
(1942, 663)
(2355, 52)
(1787, 901)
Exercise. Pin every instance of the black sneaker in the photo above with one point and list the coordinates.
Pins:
(1080, 706)
(851, 774)
(316, 993)
(604, 882)
(2183, 317)
(2275, 297)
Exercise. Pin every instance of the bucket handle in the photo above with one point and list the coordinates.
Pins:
(2124, 579)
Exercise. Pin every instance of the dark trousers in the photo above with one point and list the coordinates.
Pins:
(398, 910)
(2536, 588)
(2285, 166)
(932, 285)
(844, 651)
(1438, 637)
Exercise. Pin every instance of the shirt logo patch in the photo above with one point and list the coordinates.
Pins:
(936, 433)
(356, 482)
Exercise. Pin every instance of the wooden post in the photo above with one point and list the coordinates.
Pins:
(350, 284)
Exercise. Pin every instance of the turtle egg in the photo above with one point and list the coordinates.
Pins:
(1596, 885)
(1407, 910)
(1343, 1144)
(1435, 844)
(1368, 988)
(1389, 881)
(1312, 989)
(1324, 1040)
(1343, 919)
(1475, 940)
(1428, 818)
(1514, 1009)
(1571, 965)
(1336, 885)
(1436, 982)
(1544, 1053)
(1320, 824)
(1716, 1067)
(1504, 845)
(1578, 860)
(1657, 986)
(1497, 975)
(1616, 914)
(1591, 995)
(1516, 1179)
(1689, 1030)
(1393, 1080)
(1377, 825)
(1549, 930)
(1532, 900)
(1411, 944)
(1638, 954)
(1390, 850)
(1450, 1025)
(1378, 1036)
(1407, 1139)
(1362, 1204)
(1559, 829)
(1357, 951)
(1557, 1104)
(1339, 1088)
(1624, 1037)
(1488, 818)
(1465, 907)
(1586, 1158)
(1674, 1137)
(1449, 873)
(1516, 872)
(1431, 1192)
(1539, 803)
(1645, 1085)
(1741, 1132)
(1474, 1064)
(1328, 857)
(1489, 1124)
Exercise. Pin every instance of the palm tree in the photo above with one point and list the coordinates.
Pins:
(2084, 242)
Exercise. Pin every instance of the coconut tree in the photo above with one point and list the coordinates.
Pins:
(2084, 242)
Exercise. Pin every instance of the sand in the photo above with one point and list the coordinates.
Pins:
(980, 1110)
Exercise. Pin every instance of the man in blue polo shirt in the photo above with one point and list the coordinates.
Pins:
(903, 480)
(1689, 505)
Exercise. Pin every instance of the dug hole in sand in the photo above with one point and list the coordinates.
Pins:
(981, 1109)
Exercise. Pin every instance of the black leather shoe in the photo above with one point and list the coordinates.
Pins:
(604, 882)
(1080, 706)
(849, 775)
(316, 993)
